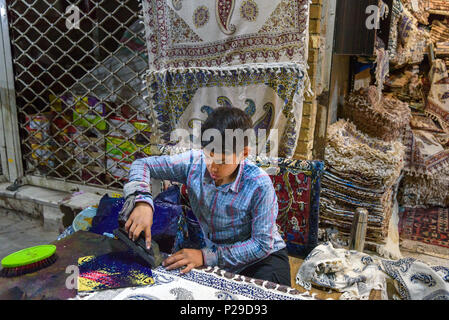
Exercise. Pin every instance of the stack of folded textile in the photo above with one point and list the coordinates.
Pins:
(361, 171)
(439, 5)
(426, 179)
(379, 116)
(439, 35)
(408, 42)
(408, 85)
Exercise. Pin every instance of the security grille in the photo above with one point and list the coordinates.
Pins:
(79, 90)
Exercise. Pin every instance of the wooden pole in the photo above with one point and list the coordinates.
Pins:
(358, 230)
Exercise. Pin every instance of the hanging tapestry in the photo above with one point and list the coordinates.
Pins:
(210, 283)
(438, 100)
(111, 271)
(206, 33)
(272, 96)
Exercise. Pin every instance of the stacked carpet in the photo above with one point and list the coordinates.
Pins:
(361, 171)
(439, 5)
(379, 116)
(426, 179)
(439, 35)
(419, 9)
(408, 42)
(439, 31)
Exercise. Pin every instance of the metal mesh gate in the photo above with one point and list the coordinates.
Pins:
(78, 69)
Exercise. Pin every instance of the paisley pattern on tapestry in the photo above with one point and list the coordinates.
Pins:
(237, 32)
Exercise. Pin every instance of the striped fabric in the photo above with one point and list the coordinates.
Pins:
(238, 219)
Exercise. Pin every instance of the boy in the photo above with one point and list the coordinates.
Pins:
(233, 199)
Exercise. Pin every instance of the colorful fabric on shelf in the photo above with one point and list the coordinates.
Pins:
(379, 116)
(438, 100)
(428, 225)
(111, 271)
(407, 86)
(201, 284)
(341, 197)
(192, 33)
(271, 95)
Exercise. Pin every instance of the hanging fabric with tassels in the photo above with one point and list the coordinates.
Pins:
(271, 94)
(206, 33)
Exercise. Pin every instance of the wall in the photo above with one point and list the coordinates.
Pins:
(312, 134)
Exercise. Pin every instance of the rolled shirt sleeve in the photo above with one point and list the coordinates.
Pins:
(170, 167)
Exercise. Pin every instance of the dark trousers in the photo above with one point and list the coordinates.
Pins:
(274, 268)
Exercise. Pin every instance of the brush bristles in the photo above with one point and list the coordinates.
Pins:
(18, 271)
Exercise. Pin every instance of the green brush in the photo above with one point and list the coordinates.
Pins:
(28, 260)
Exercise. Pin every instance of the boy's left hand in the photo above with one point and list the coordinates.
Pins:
(191, 258)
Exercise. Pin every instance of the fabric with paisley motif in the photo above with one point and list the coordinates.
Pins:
(271, 95)
(205, 33)
(210, 283)
(361, 172)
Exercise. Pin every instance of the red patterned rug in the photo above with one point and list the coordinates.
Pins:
(430, 226)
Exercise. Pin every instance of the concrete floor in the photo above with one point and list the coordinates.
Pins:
(19, 231)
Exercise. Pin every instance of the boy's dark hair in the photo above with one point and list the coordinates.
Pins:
(223, 118)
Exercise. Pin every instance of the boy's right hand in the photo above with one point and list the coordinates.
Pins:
(141, 219)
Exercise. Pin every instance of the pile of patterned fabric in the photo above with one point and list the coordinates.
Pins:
(379, 116)
(419, 9)
(439, 31)
(408, 41)
(407, 85)
(247, 54)
(361, 171)
(427, 147)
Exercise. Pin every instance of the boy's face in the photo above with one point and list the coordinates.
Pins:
(222, 167)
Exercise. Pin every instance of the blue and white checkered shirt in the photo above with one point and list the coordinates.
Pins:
(238, 218)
